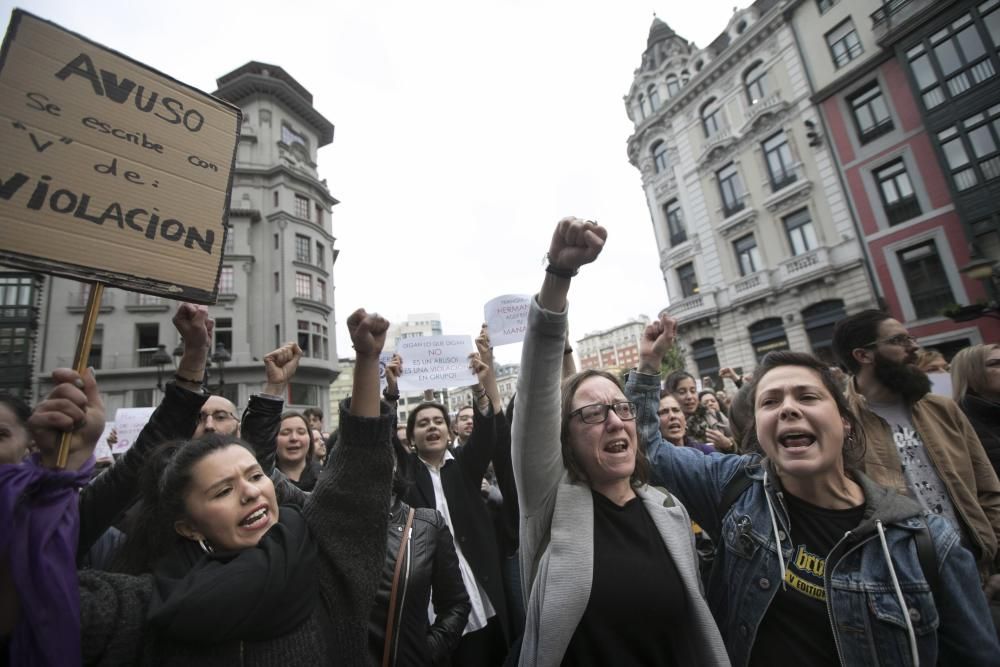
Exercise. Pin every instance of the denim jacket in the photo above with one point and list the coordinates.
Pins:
(868, 621)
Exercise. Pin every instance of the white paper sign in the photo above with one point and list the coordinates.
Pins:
(129, 423)
(435, 362)
(103, 449)
(383, 360)
(507, 318)
(940, 384)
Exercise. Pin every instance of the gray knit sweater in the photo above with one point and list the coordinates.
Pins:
(347, 517)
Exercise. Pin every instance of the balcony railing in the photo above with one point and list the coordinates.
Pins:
(902, 210)
(894, 13)
(805, 266)
(144, 356)
(693, 307)
(751, 287)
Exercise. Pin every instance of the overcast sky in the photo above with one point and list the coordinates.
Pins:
(464, 130)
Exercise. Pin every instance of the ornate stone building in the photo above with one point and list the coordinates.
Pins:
(758, 247)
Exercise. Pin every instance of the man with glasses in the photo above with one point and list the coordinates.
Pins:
(918, 443)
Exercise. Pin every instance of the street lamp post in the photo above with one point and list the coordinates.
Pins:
(220, 357)
(161, 358)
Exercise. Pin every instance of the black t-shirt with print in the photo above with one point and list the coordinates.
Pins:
(796, 628)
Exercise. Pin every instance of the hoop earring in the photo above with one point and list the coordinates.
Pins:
(205, 547)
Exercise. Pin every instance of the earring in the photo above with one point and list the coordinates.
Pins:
(205, 547)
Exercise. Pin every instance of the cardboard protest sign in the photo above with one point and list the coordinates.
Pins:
(435, 362)
(110, 171)
(129, 423)
(507, 318)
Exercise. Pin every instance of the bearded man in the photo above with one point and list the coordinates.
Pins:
(919, 443)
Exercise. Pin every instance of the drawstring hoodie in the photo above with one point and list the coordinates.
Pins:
(911, 635)
(774, 527)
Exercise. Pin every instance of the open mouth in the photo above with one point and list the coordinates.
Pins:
(256, 519)
(616, 447)
(796, 439)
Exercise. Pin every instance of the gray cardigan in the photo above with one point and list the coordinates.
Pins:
(557, 518)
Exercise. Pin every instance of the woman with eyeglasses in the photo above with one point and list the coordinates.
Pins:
(608, 563)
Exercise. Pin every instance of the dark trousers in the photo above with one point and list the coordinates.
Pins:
(483, 648)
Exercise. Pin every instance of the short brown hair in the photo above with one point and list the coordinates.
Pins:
(854, 446)
(411, 419)
(640, 475)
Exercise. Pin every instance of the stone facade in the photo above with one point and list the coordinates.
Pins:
(757, 243)
(615, 348)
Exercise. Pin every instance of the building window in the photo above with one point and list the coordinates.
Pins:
(227, 248)
(320, 255)
(767, 336)
(819, 320)
(276, 242)
(96, 346)
(747, 255)
(930, 291)
(319, 214)
(800, 231)
(898, 198)
(321, 290)
(302, 207)
(825, 5)
(277, 281)
(673, 87)
(659, 152)
(989, 11)
(643, 110)
(654, 97)
(303, 249)
(675, 222)
(979, 136)
(871, 116)
(689, 282)
(755, 82)
(17, 296)
(147, 341)
(705, 357)
(731, 189)
(710, 118)
(986, 238)
(303, 286)
(780, 166)
(955, 56)
(224, 332)
(314, 339)
(292, 137)
(275, 198)
(844, 43)
(226, 281)
(142, 398)
(303, 394)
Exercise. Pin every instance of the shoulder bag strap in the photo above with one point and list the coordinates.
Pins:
(391, 616)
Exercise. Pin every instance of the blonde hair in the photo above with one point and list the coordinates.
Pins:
(968, 370)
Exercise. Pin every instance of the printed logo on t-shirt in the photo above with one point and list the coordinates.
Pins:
(923, 478)
(805, 574)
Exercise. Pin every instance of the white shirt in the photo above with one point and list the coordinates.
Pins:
(482, 610)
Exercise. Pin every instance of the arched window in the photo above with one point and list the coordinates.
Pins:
(710, 112)
(698, 65)
(673, 85)
(706, 359)
(659, 151)
(767, 336)
(819, 320)
(643, 109)
(685, 77)
(755, 82)
(654, 97)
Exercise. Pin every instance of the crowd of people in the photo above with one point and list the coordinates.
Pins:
(800, 514)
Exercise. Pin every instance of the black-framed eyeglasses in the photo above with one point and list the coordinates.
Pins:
(597, 413)
(902, 340)
(217, 416)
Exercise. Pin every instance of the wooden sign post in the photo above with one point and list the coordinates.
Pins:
(111, 173)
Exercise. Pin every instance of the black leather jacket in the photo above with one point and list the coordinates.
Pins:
(430, 562)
